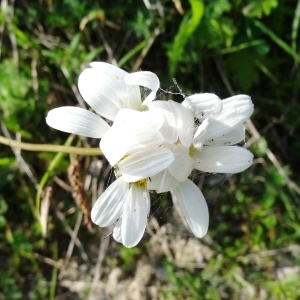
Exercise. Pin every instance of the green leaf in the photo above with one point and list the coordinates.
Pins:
(94, 53)
(14, 86)
(3, 205)
(282, 44)
(6, 162)
(74, 44)
(188, 25)
(219, 7)
(258, 8)
(2, 221)
(295, 26)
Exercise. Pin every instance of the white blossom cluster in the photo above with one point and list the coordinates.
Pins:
(154, 145)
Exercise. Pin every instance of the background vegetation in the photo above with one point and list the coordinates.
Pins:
(225, 47)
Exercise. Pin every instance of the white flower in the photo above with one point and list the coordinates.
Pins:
(213, 148)
(132, 131)
(206, 148)
(127, 203)
(107, 89)
(154, 145)
(132, 146)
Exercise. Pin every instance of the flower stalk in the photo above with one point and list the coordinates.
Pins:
(49, 147)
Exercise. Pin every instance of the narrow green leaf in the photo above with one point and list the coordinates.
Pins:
(282, 44)
(131, 53)
(53, 164)
(295, 26)
(74, 43)
(188, 25)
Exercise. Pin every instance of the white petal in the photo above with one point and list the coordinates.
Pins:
(135, 118)
(104, 89)
(203, 105)
(200, 135)
(185, 123)
(136, 131)
(235, 111)
(135, 215)
(178, 121)
(182, 165)
(77, 120)
(125, 115)
(115, 143)
(169, 128)
(193, 206)
(114, 146)
(109, 206)
(162, 182)
(234, 136)
(223, 159)
(145, 79)
(117, 231)
(144, 131)
(145, 163)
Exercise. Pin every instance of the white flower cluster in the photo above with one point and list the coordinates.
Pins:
(154, 145)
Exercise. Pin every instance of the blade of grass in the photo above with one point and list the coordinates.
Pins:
(132, 52)
(188, 25)
(53, 164)
(266, 71)
(295, 26)
(282, 44)
(145, 50)
(242, 46)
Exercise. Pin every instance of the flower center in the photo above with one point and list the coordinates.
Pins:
(143, 108)
(141, 183)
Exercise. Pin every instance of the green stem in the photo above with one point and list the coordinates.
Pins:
(49, 147)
